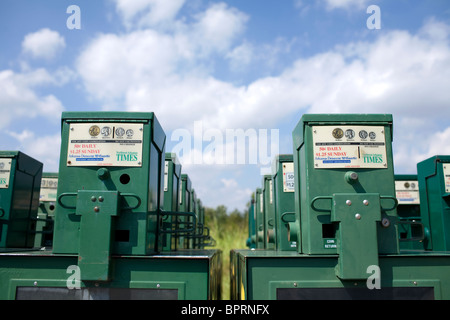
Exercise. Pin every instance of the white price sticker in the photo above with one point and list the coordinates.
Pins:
(5, 171)
(49, 187)
(446, 168)
(407, 192)
(105, 144)
(288, 177)
(349, 147)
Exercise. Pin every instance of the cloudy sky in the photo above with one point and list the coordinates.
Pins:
(211, 68)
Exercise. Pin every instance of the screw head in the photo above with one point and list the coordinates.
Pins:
(96, 209)
(348, 202)
(366, 202)
(357, 216)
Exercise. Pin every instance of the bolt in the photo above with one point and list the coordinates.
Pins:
(295, 284)
(93, 199)
(348, 202)
(415, 283)
(158, 285)
(100, 199)
(366, 202)
(357, 216)
(35, 283)
(351, 177)
(96, 209)
(103, 173)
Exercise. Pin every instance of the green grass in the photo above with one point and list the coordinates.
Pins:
(230, 232)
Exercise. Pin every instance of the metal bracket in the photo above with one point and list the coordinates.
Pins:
(357, 243)
(96, 209)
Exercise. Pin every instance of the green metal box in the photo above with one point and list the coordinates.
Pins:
(345, 192)
(287, 275)
(202, 236)
(346, 217)
(191, 237)
(20, 180)
(434, 188)
(411, 230)
(110, 185)
(46, 210)
(172, 178)
(186, 275)
(259, 219)
(269, 212)
(185, 206)
(108, 222)
(251, 240)
(283, 196)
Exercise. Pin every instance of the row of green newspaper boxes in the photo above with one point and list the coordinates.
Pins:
(421, 212)
(179, 196)
(333, 221)
(118, 221)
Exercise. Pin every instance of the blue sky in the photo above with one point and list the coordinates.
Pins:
(227, 65)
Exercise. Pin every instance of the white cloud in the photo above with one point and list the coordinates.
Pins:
(347, 4)
(125, 61)
(217, 27)
(45, 149)
(401, 73)
(20, 100)
(44, 43)
(398, 73)
(147, 13)
(241, 56)
(148, 62)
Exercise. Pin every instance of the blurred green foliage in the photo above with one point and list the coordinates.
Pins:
(230, 231)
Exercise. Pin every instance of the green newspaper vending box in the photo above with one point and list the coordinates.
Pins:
(20, 180)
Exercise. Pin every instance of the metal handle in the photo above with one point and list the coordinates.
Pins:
(320, 198)
(133, 196)
(390, 198)
(66, 194)
(174, 213)
(283, 216)
(74, 194)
